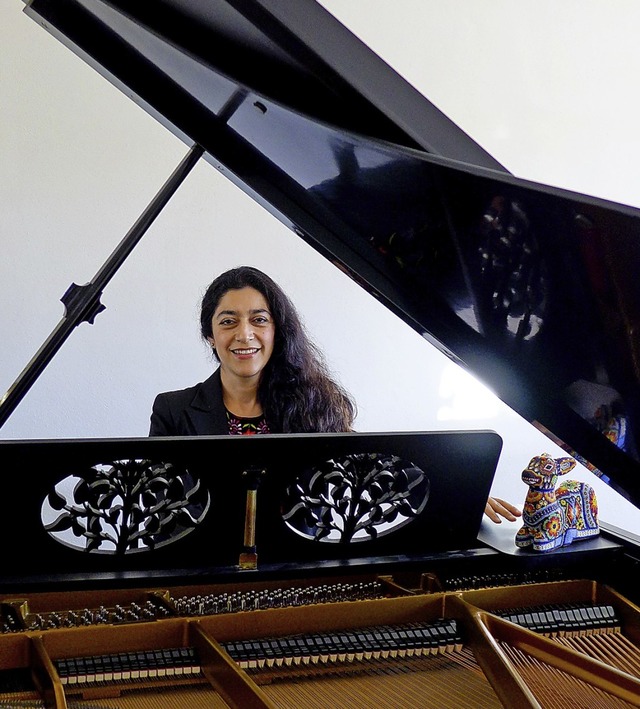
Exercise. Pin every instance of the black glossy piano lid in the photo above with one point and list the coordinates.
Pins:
(128, 510)
(533, 289)
(295, 53)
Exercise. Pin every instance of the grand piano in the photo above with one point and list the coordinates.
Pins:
(133, 580)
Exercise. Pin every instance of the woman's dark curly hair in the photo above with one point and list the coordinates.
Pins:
(296, 390)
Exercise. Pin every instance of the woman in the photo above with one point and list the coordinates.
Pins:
(271, 378)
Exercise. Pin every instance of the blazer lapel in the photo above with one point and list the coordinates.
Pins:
(206, 411)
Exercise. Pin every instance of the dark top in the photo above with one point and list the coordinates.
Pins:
(199, 411)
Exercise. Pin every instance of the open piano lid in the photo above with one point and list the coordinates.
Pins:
(529, 287)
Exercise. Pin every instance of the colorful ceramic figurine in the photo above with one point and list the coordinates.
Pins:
(554, 517)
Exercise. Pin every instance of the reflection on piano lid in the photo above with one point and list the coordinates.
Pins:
(532, 288)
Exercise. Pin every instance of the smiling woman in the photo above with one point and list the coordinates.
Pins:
(272, 378)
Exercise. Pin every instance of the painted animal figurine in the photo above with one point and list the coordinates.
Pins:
(554, 517)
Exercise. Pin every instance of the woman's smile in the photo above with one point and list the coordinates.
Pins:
(247, 352)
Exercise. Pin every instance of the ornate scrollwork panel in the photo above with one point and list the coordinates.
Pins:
(124, 506)
(355, 498)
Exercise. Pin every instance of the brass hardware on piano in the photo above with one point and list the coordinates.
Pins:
(248, 556)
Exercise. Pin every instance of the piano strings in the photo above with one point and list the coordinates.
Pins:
(388, 652)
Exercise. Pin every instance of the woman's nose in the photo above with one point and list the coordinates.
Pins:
(244, 333)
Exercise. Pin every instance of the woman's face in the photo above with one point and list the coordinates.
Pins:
(243, 333)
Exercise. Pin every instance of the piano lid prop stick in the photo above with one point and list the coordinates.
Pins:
(249, 556)
(82, 303)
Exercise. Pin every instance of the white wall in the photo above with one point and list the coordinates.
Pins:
(548, 88)
(80, 162)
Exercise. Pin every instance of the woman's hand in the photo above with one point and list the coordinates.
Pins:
(497, 508)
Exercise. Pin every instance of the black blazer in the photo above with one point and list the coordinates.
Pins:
(196, 411)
